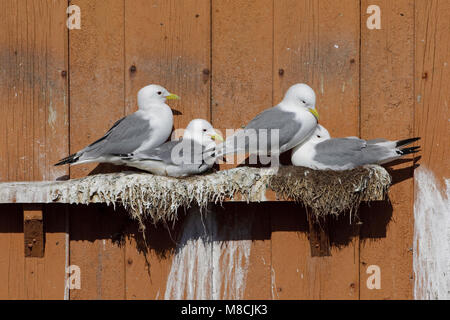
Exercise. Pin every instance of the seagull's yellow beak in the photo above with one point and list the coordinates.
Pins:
(315, 113)
(216, 137)
(172, 97)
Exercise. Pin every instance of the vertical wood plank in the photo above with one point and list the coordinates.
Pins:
(432, 99)
(168, 42)
(33, 93)
(53, 280)
(148, 261)
(241, 251)
(387, 111)
(12, 258)
(96, 75)
(432, 85)
(34, 126)
(242, 57)
(44, 276)
(32, 278)
(97, 100)
(242, 40)
(96, 246)
(317, 42)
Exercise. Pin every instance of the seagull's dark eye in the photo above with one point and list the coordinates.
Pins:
(304, 102)
(318, 136)
(159, 92)
(204, 130)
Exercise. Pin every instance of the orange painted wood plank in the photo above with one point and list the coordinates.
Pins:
(34, 128)
(317, 43)
(219, 254)
(168, 43)
(241, 251)
(97, 247)
(97, 101)
(56, 251)
(432, 85)
(387, 111)
(242, 57)
(33, 91)
(241, 61)
(432, 98)
(44, 277)
(97, 89)
(32, 278)
(12, 258)
(148, 262)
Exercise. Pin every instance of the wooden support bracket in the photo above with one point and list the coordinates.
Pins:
(319, 237)
(33, 230)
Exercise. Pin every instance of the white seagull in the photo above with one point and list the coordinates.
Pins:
(148, 127)
(291, 121)
(193, 154)
(322, 152)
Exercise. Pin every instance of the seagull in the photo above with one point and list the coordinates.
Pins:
(148, 127)
(322, 152)
(279, 128)
(193, 154)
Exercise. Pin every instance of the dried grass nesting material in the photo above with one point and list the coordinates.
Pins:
(158, 199)
(328, 192)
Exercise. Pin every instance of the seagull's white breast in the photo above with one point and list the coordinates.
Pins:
(303, 155)
(161, 123)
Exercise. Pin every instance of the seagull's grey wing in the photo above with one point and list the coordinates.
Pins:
(270, 119)
(277, 119)
(374, 141)
(125, 136)
(182, 152)
(162, 153)
(349, 152)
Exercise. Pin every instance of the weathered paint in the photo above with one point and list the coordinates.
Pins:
(206, 266)
(431, 237)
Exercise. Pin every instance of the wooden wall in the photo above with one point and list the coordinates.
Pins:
(228, 60)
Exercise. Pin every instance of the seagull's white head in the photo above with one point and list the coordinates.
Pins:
(202, 132)
(303, 96)
(319, 135)
(153, 94)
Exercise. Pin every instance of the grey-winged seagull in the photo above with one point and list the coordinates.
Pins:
(148, 127)
(322, 152)
(193, 154)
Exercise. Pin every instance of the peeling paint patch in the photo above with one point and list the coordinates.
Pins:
(431, 261)
(206, 264)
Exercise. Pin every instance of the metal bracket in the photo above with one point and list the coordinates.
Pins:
(33, 230)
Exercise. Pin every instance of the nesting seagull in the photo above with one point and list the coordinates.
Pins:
(147, 128)
(322, 152)
(290, 122)
(193, 154)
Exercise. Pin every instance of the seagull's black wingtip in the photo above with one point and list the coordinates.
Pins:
(68, 160)
(405, 142)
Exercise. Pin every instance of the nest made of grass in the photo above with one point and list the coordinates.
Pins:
(328, 192)
(158, 198)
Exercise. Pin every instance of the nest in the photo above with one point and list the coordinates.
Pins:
(328, 192)
(158, 198)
